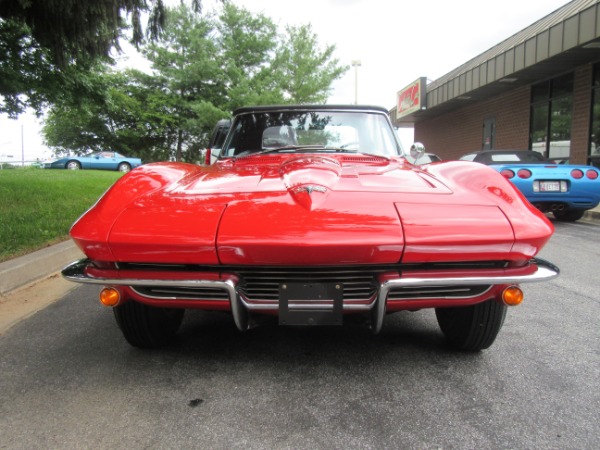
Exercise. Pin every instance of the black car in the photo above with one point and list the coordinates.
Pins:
(216, 140)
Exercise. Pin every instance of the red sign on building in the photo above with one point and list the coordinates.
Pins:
(411, 98)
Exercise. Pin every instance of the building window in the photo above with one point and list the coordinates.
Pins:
(551, 117)
(594, 156)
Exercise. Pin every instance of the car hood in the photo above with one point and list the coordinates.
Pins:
(302, 210)
(269, 173)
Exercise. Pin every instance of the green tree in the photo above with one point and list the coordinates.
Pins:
(26, 75)
(40, 39)
(81, 29)
(247, 46)
(185, 67)
(127, 112)
(305, 71)
(203, 67)
(264, 67)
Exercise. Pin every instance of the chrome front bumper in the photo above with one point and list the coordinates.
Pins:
(541, 271)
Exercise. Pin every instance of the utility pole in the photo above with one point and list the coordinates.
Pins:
(356, 64)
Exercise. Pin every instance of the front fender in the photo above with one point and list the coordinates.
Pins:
(91, 231)
(475, 182)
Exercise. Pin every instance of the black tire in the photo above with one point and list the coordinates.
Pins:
(124, 167)
(146, 326)
(569, 215)
(73, 165)
(472, 328)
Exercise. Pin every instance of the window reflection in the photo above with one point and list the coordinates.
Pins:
(551, 118)
(560, 129)
(594, 153)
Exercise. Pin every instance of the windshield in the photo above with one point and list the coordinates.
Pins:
(103, 155)
(311, 131)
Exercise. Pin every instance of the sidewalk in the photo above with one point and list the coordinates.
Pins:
(20, 272)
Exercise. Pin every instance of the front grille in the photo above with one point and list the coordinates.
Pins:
(260, 285)
(263, 286)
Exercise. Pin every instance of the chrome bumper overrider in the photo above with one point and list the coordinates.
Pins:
(76, 272)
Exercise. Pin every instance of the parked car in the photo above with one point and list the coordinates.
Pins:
(97, 160)
(312, 215)
(216, 140)
(566, 190)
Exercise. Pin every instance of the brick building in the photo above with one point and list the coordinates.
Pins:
(539, 90)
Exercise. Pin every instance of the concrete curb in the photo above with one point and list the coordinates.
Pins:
(19, 272)
(592, 214)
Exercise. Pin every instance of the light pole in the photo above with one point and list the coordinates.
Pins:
(356, 64)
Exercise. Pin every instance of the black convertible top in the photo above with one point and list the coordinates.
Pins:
(510, 157)
(270, 108)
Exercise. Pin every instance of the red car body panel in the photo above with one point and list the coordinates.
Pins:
(277, 232)
(251, 214)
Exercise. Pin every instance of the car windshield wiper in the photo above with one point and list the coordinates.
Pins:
(290, 148)
(299, 148)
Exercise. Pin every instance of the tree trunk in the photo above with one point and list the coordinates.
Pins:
(179, 153)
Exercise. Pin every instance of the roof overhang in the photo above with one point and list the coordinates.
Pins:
(567, 38)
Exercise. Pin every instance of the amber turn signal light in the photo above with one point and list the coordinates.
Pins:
(512, 296)
(110, 297)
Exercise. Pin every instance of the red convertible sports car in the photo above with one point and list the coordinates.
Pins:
(310, 215)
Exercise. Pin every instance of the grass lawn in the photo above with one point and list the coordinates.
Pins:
(38, 206)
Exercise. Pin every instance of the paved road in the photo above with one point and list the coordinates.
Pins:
(68, 380)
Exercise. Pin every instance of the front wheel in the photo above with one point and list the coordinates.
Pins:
(73, 165)
(569, 215)
(124, 167)
(146, 326)
(472, 328)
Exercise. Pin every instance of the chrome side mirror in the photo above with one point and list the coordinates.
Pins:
(416, 151)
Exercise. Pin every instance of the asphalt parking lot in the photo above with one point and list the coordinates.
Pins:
(70, 381)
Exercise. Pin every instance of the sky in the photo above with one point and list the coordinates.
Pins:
(396, 42)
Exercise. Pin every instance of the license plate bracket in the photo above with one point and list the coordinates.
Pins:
(311, 303)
